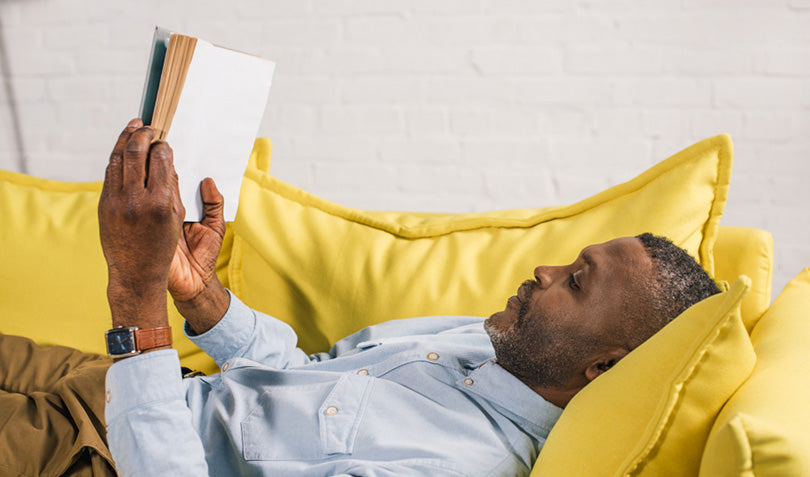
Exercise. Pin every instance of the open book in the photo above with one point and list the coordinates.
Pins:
(207, 102)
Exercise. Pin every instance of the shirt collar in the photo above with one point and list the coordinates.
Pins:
(501, 387)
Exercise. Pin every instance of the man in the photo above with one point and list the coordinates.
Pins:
(425, 396)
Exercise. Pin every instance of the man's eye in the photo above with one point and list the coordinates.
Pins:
(572, 282)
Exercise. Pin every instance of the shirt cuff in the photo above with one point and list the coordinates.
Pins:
(228, 337)
(143, 380)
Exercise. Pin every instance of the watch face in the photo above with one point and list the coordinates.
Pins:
(120, 341)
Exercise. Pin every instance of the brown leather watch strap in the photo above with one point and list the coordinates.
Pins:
(153, 338)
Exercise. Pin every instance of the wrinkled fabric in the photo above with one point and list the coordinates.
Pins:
(419, 396)
(51, 410)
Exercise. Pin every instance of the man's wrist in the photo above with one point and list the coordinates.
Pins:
(205, 310)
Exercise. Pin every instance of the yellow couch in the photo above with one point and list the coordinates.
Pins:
(724, 378)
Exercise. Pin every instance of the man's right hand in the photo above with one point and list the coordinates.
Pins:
(198, 294)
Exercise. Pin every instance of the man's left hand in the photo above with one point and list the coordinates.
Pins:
(140, 222)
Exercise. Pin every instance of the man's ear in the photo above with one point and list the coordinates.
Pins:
(604, 361)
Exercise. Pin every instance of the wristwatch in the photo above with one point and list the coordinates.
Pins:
(127, 341)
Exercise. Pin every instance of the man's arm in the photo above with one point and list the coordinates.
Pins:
(140, 220)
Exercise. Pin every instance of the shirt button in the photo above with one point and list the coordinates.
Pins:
(225, 367)
(363, 372)
(468, 381)
(432, 356)
(109, 396)
(331, 411)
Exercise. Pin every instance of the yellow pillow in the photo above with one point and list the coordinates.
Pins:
(651, 414)
(53, 278)
(764, 430)
(330, 270)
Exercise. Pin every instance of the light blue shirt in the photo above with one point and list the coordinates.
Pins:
(420, 396)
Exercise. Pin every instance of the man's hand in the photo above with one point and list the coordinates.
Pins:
(193, 283)
(140, 221)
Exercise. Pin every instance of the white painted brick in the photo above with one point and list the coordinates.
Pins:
(445, 7)
(430, 60)
(357, 7)
(522, 7)
(324, 148)
(665, 92)
(566, 92)
(470, 30)
(558, 29)
(371, 177)
(26, 89)
(421, 150)
(358, 119)
(768, 126)
(101, 60)
(253, 10)
(340, 61)
(564, 121)
(470, 121)
(468, 91)
(784, 61)
(799, 4)
(298, 119)
(520, 187)
(523, 123)
(384, 30)
(706, 62)
(613, 59)
(706, 123)
(516, 60)
(665, 123)
(300, 33)
(601, 156)
(615, 122)
(447, 179)
(380, 90)
(762, 92)
(294, 89)
(725, 5)
(505, 153)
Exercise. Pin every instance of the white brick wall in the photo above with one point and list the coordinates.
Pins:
(451, 105)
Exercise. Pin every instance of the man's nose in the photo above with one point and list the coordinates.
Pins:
(546, 275)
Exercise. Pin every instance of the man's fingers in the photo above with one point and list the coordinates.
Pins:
(213, 206)
(161, 165)
(114, 175)
(136, 152)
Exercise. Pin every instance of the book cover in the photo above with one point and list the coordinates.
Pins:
(207, 102)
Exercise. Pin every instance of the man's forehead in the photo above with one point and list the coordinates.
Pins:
(624, 252)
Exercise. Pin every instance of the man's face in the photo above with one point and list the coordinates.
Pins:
(569, 314)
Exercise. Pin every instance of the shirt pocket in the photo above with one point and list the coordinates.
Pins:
(306, 422)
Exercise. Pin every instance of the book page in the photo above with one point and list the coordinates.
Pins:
(216, 121)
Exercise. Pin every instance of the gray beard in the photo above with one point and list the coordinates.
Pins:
(540, 356)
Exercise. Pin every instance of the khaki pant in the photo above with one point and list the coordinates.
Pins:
(51, 411)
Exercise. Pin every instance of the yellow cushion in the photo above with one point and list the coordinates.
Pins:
(53, 278)
(746, 251)
(764, 430)
(651, 414)
(330, 270)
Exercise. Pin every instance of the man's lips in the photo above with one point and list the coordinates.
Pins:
(514, 301)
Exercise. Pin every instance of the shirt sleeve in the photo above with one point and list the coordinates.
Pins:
(249, 334)
(149, 427)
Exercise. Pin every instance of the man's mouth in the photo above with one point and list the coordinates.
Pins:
(525, 290)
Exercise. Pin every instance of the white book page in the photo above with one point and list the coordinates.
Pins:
(216, 122)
